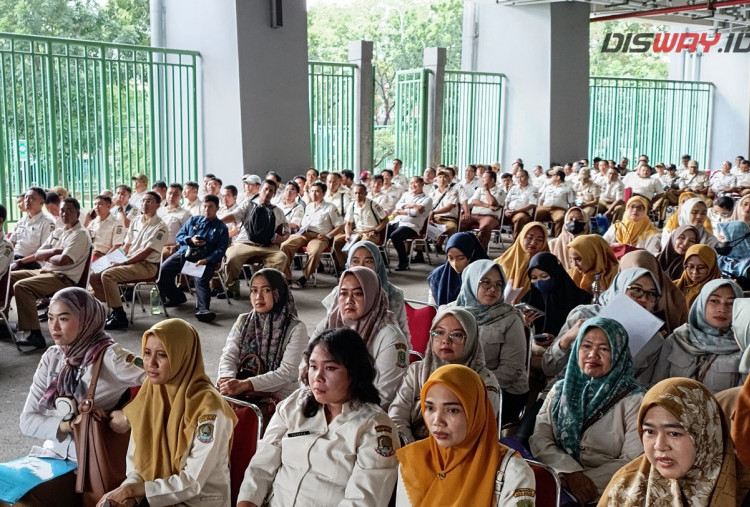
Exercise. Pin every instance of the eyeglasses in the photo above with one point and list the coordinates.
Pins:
(637, 208)
(638, 293)
(697, 268)
(454, 337)
(487, 285)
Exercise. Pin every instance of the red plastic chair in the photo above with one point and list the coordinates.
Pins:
(548, 485)
(245, 442)
(419, 315)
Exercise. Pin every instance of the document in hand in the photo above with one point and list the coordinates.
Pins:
(103, 263)
(640, 324)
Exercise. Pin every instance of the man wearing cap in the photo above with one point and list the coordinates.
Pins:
(140, 187)
(143, 246)
(250, 187)
(33, 229)
(555, 199)
(587, 192)
(364, 178)
(248, 245)
(520, 202)
(694, 180)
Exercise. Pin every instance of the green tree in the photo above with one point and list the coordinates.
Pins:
(647, 65)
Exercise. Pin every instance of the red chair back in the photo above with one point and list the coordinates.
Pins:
(245, 442)
(420, 322)
(547, 484)
(628, 193)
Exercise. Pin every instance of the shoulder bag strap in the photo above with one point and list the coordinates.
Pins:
(591, 420)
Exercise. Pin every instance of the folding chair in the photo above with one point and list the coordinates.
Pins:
(420, 239)
(5, 305)
(326, 259)
(83, 282)
(419, 318)
(245, 442)
(138, 285)
(548, 486)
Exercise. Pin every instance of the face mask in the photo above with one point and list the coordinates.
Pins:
(575, 227)
(544, 286)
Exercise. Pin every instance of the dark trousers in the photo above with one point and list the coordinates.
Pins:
(169, 290)
(398, 236)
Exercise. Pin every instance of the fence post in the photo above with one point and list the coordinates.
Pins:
(434, 61)
(360, 54)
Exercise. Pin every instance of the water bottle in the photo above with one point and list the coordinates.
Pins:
(596, 289)
(156, 301)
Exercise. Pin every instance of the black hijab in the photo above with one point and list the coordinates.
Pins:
(556, 301)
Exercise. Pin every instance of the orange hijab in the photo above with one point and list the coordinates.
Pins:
(515, 260)
(595, 251)
(463, 474)
(164, 417)
(690, 289)
(629, 232)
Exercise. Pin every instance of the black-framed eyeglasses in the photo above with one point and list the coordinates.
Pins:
(454, 337)
(638, 293)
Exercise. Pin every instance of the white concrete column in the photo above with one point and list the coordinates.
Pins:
(434, 61)
(360, 54)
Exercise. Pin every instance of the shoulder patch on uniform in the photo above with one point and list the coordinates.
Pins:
(132, 358)
(492, 388)
(206, 428)
(401, 359)
(159, 236)
(524, 492)
(383, 428)
(385, 446)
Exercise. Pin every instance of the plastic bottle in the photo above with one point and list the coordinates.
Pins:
(155, 301)
(596, 288)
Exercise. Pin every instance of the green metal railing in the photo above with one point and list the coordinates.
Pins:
(659, 118)
(88, 115)
(472, 117)
(411, 120)
(331, 89)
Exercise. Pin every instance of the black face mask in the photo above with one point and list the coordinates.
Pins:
(725, 247)
(575, 227)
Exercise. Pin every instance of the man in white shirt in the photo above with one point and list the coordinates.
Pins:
(33, 229)
(337, 194)
(122, 208)
(320, 224)
(445, 201)
(364, 219)
(601, 176)
(587, 192)
(520, 202)
(641, 183)
(291, 205)
(140, 187)
(723, 182)
(399, 179)
(554, 200)
(694, 180)
(671, 184)
(107, 232)
(192, 202)
(612, 197)
(743, 177)
(412, 210)
(174, 217)
(538, 178)
(486, 206)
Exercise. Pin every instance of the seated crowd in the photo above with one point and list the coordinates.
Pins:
(609, 341)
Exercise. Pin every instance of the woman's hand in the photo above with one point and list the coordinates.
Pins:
(233, 387)
(530, 316)
(580, 486)
(570, 335)
(118, 422)
(124, 495)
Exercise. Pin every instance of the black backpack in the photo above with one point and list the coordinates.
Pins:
(261, 226)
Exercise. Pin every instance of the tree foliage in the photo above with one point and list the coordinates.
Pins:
(636, 65)
(121, 21)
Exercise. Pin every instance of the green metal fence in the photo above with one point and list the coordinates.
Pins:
(659, 118)
(331, 89)
(411, 120)
(472, 118)
(88, 115)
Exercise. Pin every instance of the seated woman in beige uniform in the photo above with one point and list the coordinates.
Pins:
(181, 427)
(461, 462)
(587, 428)
(454, 339)
(329, 443)
(76, 323)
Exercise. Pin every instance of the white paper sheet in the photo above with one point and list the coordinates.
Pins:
(192, 269)
(434, 231)
(348, 244)
(103, 263)
(510, 295)
(640, 324)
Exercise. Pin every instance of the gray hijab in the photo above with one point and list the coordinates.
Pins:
(473, 356)
(622, 280)
(702, 335)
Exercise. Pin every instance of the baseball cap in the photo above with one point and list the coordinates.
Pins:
(140, 177)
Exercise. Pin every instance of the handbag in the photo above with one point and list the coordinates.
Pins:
(101, 452)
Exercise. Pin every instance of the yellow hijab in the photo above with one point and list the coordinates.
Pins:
(594, 249)
(164, 417)
(673, 222)
(515, 260)
(629, 232)
(690, 289)
(463, 474)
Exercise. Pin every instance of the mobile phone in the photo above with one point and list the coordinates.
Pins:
(525, 307)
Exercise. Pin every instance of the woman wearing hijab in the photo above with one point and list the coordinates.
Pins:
(741, 419)
(704, 348)
(366, 253)
(329, 443)
(638, 284)
(672, 256)
(264, 348)
(673, 223)
(553, 292)
(501, 332)
(454, 339)
(737, 262)
(636, 229)
(181, 426)
(515, 261)
(363, 307)
(694, 212)
(586, 429)
(591, 255)
(445, 281)
(689, 457)
(671, 307)
(461, 462)
(701, 266)
(76, 323)
(576, 224)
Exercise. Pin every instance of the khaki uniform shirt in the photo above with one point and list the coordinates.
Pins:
(151, 233)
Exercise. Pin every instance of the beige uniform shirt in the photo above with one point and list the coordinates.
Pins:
(75, 243)
(174, 219)
(31, 233)
(106, 233)
(151, 233)
(307, 461)
(340, 199)
(443, 199)
(321, 218)
(387, 199)
(479, 196)
(366, 217)
(194, 208)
